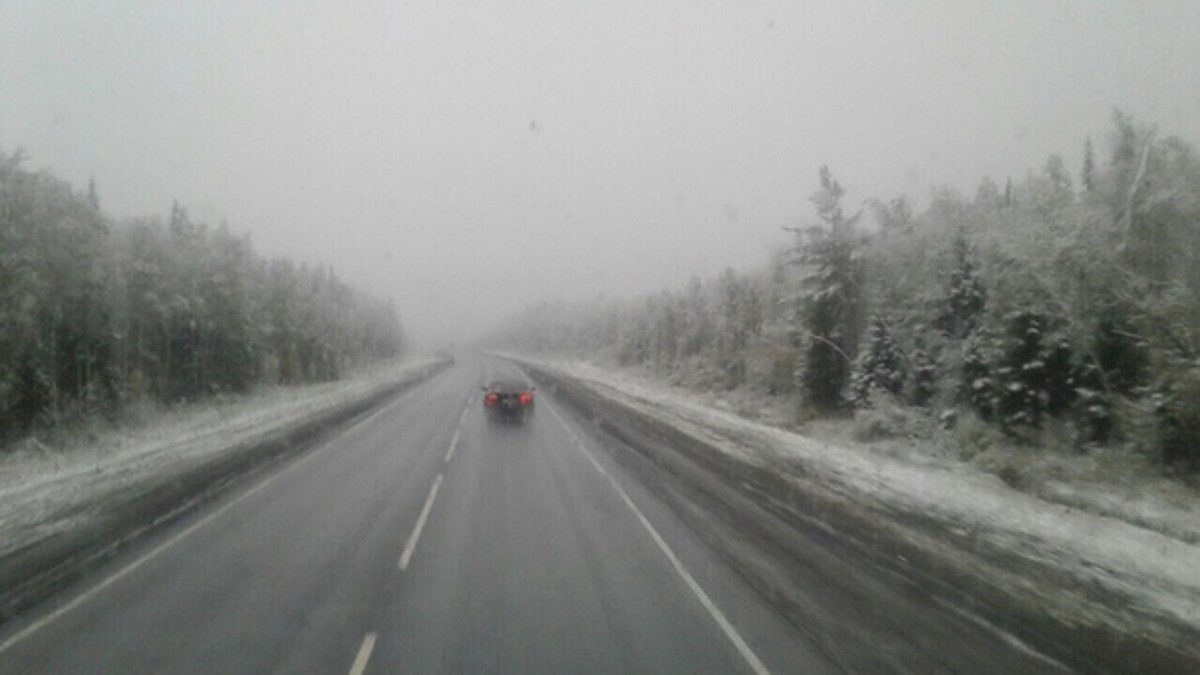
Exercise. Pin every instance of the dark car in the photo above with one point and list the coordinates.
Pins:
(508, 401)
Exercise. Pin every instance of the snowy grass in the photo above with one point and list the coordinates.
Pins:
(44, 482)
(1137, 535)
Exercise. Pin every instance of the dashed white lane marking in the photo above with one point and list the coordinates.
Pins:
(156, 551)
(453, 446)
(730, 632)
(461, 419)
(411, 546)
(364, 655)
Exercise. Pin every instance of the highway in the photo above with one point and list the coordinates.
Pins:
(423, 539)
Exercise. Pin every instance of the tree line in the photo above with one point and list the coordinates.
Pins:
(95, 314)
(1056, 299)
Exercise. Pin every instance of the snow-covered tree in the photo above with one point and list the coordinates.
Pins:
(880, 365)
(698, 329)
(93, 314)
(977, 386)
(55, 323)
(739, 324)
(832, 295)
(924, 376)
(965, 296)
(1087, 175)
(1023, 303)
(895, 218)
(666, 318)
(1021, 372)
(1052, 191)
(987, 195)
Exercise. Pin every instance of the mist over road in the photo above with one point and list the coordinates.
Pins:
(423, 539)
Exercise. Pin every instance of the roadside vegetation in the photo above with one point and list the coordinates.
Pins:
(100, 317)
(1058, 311)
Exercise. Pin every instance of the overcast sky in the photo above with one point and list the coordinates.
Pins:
(466, 159)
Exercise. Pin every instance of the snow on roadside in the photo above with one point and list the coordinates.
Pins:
(1161, 572)
(40, 488)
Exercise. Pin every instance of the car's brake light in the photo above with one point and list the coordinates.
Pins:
(526, 398)
(490, 400)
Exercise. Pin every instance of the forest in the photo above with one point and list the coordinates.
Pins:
(96, 314)
(1066, 300)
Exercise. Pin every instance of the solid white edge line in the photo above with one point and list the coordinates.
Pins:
(730, 632)
(364, 655)
(717, 614)
(416, 533)
(125, 571)
(453, 446)
(92, 592)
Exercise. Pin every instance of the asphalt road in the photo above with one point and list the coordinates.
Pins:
(422, 539)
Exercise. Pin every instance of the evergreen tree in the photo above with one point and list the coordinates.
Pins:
(93, 199)
(965, 295)
(697, 319)
(978, 387)
(1177, 412)
(1060, 376)
(895, 218)
(667, 321)
(987, 195)
(1094, 405)
(1088, 304)
(1022, 372)
(832, 292)
(1087, 176)
(55, 324)
(924, 376)
(92, 315)
(731, 336)
(880, 365)
(1052, 191)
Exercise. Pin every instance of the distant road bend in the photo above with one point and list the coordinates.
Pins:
(423, 539)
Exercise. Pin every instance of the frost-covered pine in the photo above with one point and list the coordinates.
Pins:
(698, 327)
(830, 254)
(924, 376)
(880, 366)
(1177, 412)
(978, 388)
(965, 295)
(1022, 372)
(98, 313)
(1060, 376)
(1094, 406)
(1087, 176)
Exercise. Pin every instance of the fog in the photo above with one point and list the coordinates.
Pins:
(469, 159)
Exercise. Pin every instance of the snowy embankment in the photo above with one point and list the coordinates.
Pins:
(1056, 557)
(47, 491)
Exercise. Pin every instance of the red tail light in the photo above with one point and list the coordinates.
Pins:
(526, 398)
(490, 400)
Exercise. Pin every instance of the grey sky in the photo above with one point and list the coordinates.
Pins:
(468, 158)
